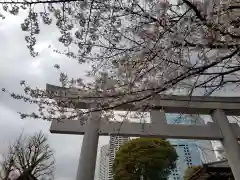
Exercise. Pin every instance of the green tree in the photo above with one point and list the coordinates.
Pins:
(147, 158)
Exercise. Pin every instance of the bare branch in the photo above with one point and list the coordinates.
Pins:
(31, 156)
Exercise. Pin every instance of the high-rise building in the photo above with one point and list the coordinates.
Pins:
(190, 152)
(114, 143)
(205, 146)
(103, 163)
(107, 156)
(188, 156)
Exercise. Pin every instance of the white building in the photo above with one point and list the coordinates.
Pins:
(107, 156)
(103, 163)
(115, 143)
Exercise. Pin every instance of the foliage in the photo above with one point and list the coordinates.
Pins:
(190, 171)
(31, 156)
(137, 49)
(150, 158)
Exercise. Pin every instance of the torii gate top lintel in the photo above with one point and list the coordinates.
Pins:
(170, 104)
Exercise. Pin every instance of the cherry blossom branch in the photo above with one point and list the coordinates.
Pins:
(204, 20)
(39, 2)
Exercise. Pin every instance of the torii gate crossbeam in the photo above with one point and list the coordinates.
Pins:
(217, 107)
(130, 129)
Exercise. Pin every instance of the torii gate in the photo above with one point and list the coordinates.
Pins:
(217, 107)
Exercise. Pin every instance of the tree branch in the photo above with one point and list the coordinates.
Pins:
(39, 2)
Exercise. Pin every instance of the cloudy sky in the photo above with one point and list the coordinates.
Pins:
(16, 64)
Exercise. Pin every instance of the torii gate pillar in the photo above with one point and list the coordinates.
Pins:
(229, 141)
(87, 162)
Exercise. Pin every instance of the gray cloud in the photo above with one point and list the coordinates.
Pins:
(15, 65)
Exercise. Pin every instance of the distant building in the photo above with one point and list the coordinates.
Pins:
(107, 156)
(205, 146)
(115, 143)
(189, 155)
(190, 152)
(103, 163)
